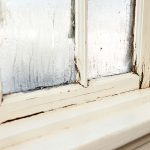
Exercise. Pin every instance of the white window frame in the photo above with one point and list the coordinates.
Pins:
(25, 104)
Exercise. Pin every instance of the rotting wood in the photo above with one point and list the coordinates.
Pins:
(1, 95)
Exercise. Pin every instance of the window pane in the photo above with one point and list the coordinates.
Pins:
(110, 26)
(35, 50)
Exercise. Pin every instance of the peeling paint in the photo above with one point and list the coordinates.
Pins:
(142, 76)
(78, 76)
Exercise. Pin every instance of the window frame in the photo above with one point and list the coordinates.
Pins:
(141, 59)
(26, 104)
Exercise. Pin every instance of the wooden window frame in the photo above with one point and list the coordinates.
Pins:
(26, 104)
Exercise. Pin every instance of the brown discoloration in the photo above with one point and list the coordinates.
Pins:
(78, 76)
(131, 34)
(141, 44)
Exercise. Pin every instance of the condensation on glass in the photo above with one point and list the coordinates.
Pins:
(110, 37)
(35, 48)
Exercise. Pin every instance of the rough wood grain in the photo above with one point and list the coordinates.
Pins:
(1, 95)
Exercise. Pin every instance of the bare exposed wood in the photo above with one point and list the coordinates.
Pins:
(142, 42)
(27, 104)
(102, 125)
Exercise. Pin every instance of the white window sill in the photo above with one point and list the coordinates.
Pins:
(107, 123)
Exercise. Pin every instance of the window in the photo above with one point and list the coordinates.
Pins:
(95, 47)
(110, 37)
(35, 51)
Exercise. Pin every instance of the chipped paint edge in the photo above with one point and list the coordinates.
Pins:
(141, 60)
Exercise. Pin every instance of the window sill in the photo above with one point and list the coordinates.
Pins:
(26, 104)
(107, 123)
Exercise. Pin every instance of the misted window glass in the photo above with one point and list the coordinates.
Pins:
(35, 47)
(110, 37)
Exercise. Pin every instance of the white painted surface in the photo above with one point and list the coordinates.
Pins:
(109, 37)
(81, 40)
(105, 124)
(142, 44)
(138, 144)
(19, 105)
(34, 47)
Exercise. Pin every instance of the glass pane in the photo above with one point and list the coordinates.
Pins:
(35, 50)
(110, 38)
